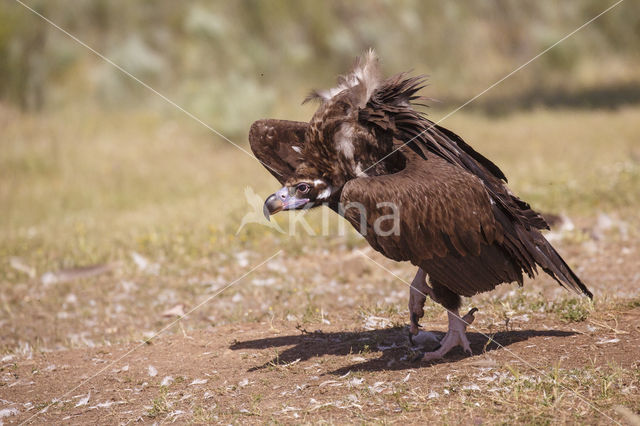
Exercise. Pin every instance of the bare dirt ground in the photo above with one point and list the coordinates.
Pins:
(275, 372)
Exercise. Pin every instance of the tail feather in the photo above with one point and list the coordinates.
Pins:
(553, 264)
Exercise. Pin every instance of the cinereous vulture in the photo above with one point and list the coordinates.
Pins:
(458, 221)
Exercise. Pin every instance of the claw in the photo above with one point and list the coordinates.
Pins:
(469, 318)
(455, 336)
(417, 357)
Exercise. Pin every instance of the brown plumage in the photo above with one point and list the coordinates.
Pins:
(458, 220)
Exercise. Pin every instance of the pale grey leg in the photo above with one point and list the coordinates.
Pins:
(417, 296)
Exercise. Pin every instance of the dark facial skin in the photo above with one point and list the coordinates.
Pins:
(297, 195)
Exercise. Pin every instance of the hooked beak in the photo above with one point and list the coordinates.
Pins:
(282, 200)
(272, 205)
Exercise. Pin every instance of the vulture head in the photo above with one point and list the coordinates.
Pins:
(304, 190)
(339, 143)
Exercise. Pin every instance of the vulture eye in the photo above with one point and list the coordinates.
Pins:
(303, 188)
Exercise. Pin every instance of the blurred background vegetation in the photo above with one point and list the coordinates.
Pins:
(232, 62)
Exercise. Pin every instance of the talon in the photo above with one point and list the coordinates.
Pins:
(455, 336)
(469, 318)
(417, 358)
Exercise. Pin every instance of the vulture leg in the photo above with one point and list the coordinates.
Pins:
(455, 335)
(417, 296)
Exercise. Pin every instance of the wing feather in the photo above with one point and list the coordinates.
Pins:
(278, 144)
(436, 215)
(451, 229)
(391, 108)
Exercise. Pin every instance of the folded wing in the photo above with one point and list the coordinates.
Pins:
(278, 145)
(449, 226)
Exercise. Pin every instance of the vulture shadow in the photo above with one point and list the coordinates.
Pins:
(393, 342)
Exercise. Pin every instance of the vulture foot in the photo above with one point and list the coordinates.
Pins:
(455, 336)
(417, 296)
